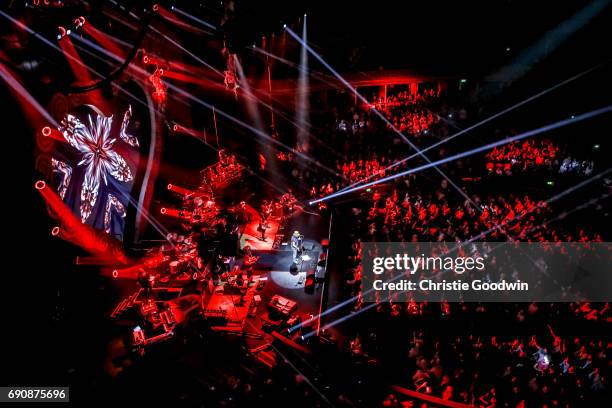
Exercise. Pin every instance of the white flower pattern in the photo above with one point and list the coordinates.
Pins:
(93, 140)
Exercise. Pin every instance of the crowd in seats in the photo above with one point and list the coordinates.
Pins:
(352, 171)
(357, 170)
(571, 165)
(412, 217)
(522, 156)
(484, 370)
(408, 113)
(411, 120)
(513, 370)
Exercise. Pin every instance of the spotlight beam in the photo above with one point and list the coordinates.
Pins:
(248, 127)
(21, 91)
(553, 39)
(471, 152)
(253, 129)
(290, 121)
(119, 59)
(302, 98)
(280, 113)
(317, 75)
(155, 223)
(79, 68)
(482, 122)
(58, 49)
(186, 51)
(251, 172)
(550, 200)
(170, 17)
(104, 39)
(382, 117)
(193, 18)
(197, 59)
(251, 99)
(245, 125)
(120, 20)
(141, 210)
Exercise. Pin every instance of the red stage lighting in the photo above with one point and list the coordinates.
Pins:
(85, 236)
(79, 22)
(173, 212)
(61, 32)
(55, 231)
(46, 131)
(181, 190)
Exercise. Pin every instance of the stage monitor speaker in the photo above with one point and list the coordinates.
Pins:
(309, 284)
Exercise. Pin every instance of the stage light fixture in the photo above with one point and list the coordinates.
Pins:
(40, 184)
(79, 22)
(62, 32)
(46, 131)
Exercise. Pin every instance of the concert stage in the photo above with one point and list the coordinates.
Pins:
(274, 273)
(251, 235)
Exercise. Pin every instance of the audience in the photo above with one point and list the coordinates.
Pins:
(542, 366)
(522, 156)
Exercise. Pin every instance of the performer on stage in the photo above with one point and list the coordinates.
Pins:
(146, 281)
(266, 211)
(262, 229)
(297, 246)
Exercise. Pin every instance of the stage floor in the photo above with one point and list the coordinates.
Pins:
(279, 274)
(251, 235)
(275, 267)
